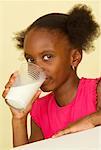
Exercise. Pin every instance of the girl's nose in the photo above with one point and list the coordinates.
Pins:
(39, 63)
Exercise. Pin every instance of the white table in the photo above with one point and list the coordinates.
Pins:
(85, 140)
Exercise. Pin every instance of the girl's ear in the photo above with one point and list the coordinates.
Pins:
(76, 56)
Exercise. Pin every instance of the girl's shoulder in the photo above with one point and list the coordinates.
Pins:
(89, 86)
(93, 86)
(90, 81)
(99, 95)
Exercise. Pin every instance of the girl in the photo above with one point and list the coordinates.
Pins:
(55, 43)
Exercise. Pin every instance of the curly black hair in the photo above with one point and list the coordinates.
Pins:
(79, 26)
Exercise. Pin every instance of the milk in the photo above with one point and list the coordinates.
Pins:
(20, 96)
(28, 80)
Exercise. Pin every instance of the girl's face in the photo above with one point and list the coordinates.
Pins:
(51, 51)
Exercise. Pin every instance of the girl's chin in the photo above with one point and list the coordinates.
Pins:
(46, 88)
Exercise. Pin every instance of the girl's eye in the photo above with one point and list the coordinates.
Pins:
(30, 60)
(47, 57)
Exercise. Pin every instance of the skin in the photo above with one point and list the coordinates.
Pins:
(51, 51)
(54, 56)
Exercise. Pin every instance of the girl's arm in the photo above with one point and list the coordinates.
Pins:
(95, 118)
(19, 127)
(19, 118)
(20, 136)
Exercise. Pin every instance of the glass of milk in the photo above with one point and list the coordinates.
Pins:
(29, 79)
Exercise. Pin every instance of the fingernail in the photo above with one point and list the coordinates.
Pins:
(7, 89)
(16, 73)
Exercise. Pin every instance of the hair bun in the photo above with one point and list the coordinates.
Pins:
(81, 27)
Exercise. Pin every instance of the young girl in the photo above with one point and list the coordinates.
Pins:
(55, 43)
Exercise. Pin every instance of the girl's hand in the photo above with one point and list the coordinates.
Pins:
(80, 125)
(9, 84)
(18, 114)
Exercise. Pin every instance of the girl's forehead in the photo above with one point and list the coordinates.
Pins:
(44, 32)
(39, 41)
(45, 37)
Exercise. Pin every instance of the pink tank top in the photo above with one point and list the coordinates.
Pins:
(52, 118)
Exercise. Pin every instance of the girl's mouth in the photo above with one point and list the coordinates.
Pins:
(47, 79)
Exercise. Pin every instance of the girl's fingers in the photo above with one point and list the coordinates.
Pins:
(9, 84)
(5, 92)
(63, 132)
(57, 135)
(36, 96)
(11, 80)
(29, 106)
